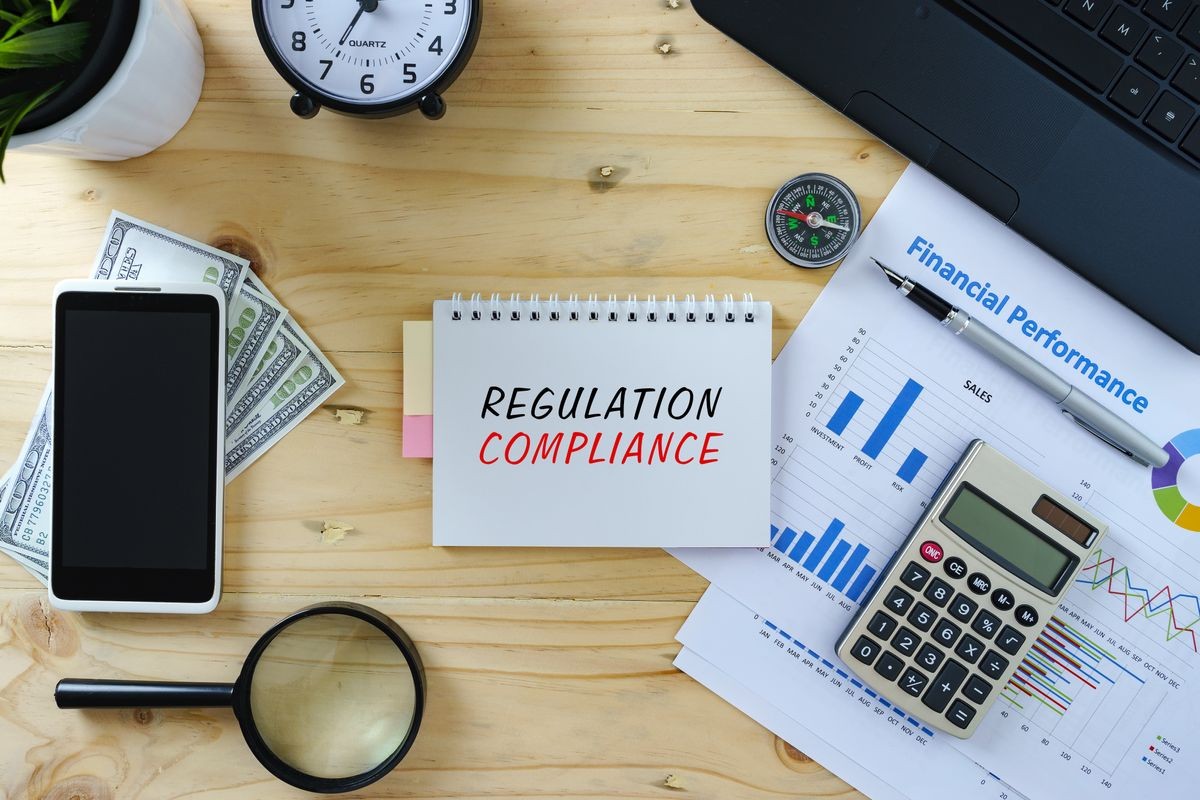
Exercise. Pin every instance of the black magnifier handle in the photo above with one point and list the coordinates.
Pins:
(84, 693)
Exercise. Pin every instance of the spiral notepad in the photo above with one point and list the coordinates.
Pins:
(589, 421)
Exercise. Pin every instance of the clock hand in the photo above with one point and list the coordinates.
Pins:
(353, 22)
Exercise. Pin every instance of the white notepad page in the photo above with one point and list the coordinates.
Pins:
(602, 423)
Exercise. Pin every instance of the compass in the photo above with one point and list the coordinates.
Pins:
(813, 220)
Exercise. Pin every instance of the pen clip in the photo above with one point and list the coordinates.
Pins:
(1099, 434)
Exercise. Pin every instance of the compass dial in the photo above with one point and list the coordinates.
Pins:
(813, 220)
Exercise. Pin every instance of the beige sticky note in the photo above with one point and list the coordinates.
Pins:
(418, 368)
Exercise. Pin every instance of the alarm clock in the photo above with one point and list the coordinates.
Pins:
(369, 58)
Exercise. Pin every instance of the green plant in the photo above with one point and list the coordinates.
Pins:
(35, 46)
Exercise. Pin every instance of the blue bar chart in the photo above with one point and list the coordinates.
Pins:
(887, 426)
(892, 418)
(829, 557)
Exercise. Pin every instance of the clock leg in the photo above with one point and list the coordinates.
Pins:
(304, 106)
(433, 106)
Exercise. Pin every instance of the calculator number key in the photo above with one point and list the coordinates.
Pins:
(905, 641)
(922, 617)
(889, 666)
(881, 625)
(969, 649)
(930, 657)
(913, 682)
(938, 592)
(993, 665)
(898, 600)
(914, 576)
(962, 607)
(1010, 640)
(986, 624)
(866, 650)
(946, 632)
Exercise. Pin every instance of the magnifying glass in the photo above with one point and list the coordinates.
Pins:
(329, 700)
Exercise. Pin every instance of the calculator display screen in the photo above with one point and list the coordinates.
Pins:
(999, 534)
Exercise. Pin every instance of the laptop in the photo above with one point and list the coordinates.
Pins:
(1075, 123)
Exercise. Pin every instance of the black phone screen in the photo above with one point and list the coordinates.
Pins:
(135, 446)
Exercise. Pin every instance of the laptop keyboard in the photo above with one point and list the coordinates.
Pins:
(1142, 58)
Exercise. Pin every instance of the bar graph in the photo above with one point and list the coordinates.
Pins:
(884, 430)
(830, 557)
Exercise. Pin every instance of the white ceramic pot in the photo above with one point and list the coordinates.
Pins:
(147, 100)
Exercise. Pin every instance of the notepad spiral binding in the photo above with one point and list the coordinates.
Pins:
(595, 309)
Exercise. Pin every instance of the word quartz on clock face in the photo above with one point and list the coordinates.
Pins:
(368, 57)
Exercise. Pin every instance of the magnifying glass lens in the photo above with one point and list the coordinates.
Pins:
(332, 696)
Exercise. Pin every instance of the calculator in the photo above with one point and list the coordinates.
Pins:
(962, 601)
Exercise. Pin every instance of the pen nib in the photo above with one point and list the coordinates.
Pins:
(891, 276)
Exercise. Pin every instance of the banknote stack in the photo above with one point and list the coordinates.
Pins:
(268, 356)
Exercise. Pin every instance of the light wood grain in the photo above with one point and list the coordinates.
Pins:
(550, 669)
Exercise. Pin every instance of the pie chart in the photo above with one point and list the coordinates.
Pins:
(1164, 481)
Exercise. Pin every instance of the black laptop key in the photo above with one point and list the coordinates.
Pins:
(1133, 92)
(1165, 12)
(1169, 117)
(1190, 32)
(1088, 12)
(1160, 54)
(943, 687)
(1191, 143)
(1055, 37)
(1187, 80)
(1124, 30)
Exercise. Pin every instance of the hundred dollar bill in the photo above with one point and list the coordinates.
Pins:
(309, 383)
(25, 502)
(134, 250)
(281, 355)
(254, 321)
(34, 568)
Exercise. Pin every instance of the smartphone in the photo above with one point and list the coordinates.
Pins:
(138, 426)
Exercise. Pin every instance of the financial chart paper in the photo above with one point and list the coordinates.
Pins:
(872, 403)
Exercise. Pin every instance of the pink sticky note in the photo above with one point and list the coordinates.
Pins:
(417, 437)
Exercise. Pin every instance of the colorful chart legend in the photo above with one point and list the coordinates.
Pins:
(1164, 481)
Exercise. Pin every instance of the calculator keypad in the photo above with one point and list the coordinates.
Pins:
(944, 638)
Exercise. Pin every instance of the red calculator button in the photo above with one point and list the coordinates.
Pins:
(931, 551)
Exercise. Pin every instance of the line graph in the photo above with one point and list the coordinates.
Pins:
(1178, 612)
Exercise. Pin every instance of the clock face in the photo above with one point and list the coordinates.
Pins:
(367, 52)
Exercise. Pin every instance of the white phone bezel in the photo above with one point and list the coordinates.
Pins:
(203, 607)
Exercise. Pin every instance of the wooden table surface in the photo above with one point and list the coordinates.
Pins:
(550, 670)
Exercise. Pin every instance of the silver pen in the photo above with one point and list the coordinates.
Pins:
(1090, 415)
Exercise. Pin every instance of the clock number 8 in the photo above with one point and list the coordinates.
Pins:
(298, 41)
